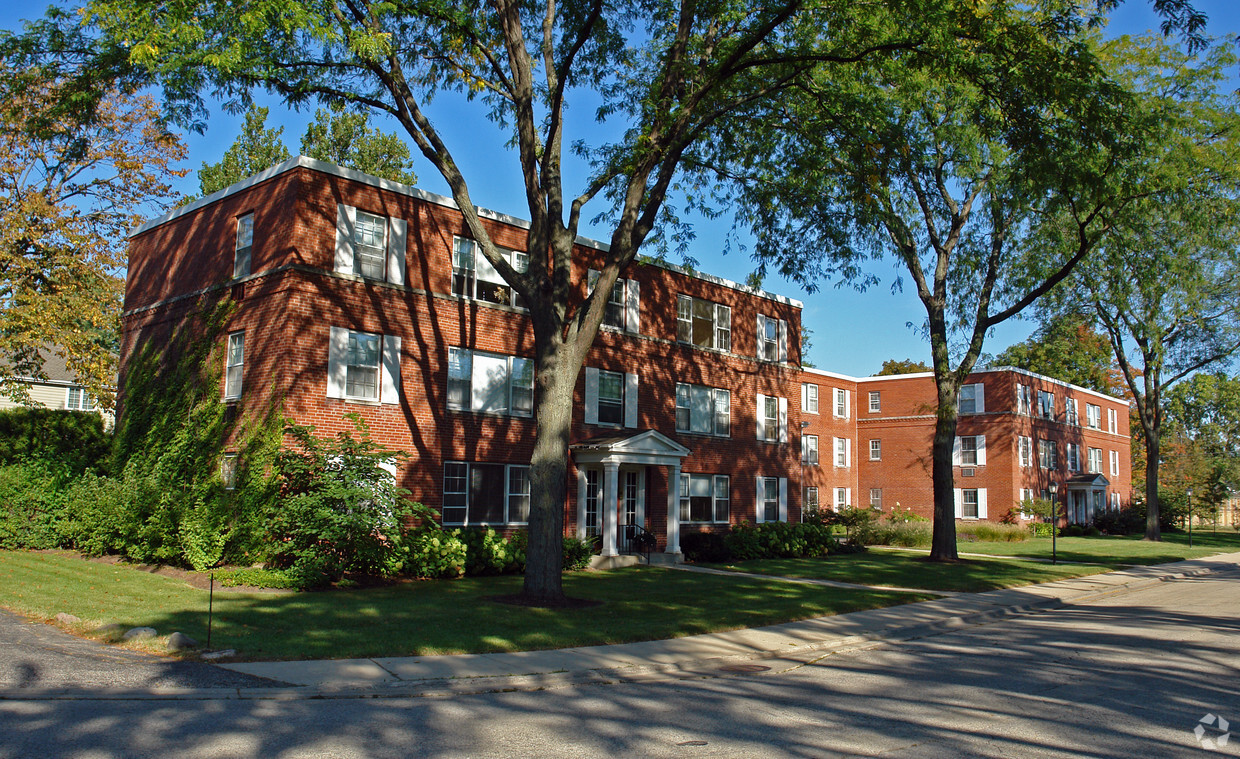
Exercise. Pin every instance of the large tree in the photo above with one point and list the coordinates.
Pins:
(1165, 288)
(1067, 347)
(80, 163)
(953, 172)
(257, 147)
(665, 71)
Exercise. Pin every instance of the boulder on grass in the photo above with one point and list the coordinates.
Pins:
(179, 641)
(67, 619)
(138, 633)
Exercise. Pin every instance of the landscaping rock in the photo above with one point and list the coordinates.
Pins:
(227, 653)
(180, 641)
(67, 619)
(110, 629)
(140, 632)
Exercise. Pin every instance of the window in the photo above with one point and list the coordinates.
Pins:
(704, 498)
(1093, 416)
(245, 244)
(370, 246)
(1095, 460)
(809, 450)
(768, 494)
(703, 323)
(1024, 399)
(972, 399)
(772, 413)
(843, 452)
(843, 498)
(611, 398)
(876, 450)
(875, 402)
(876, 499)
(623, 308)
(79, 400)
(234, 362)
(842, 403)
(490, 383)
(228, 471)
(1046, 404)
(363, 366)
(703, 410)
(1115, 501)
(1112, 420)
(1070, 408)
(968, 503)
(811, 500)
(485, 493)
(1026, 451)
(772, 339)
(809, 399)
(969, 450)
(1073, 452)
(1048, 457)
(473, 276)
(1114, 463)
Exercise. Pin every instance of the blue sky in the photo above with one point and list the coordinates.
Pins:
(853, 333)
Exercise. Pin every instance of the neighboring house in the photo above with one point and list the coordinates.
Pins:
(59, 390)
(356, 294)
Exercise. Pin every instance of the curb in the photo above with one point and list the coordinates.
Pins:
(701, 668)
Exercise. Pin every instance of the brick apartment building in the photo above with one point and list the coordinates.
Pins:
(354, 294)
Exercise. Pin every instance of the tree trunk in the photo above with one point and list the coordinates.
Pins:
(943, 542)
(555, 375)
(1152, 531)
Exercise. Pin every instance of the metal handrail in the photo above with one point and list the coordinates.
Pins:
(636, 539)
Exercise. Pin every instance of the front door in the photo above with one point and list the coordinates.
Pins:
(632, 506)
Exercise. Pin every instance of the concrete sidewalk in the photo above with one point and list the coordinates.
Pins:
(777, 647)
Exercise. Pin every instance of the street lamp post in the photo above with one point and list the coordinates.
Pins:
(1190, 517)
(1054, 488)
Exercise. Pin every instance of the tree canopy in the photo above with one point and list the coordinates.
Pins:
(906, 366)
(1068, 348)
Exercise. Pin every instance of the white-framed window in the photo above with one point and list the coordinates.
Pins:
(1073, 453)
(843, 498)
(843, 452)
(1093, 416)
(1024, 400)
(876, 402)
(234, 363)
(772, 413)
(1048, 454)
(876, 450)
(772, 339)
(623, 308)
(843, 403)
(970, 503)
(809, 450)
(244, 245)
(972, 399)
(809, 398)
(77, 399)
(1112, 420)
(811, 500)
(770, 506)
(228, 471)
(969, 450)
(1025, 449)
(480, 493)
(611, 397)
(362, 366)
(1070, 409)
(876, 499)
(1115, 501)
(703, 410)
(369, 245)
(1095, 460)
(474, 277)
(490, 383)
(703, 323)
(1114, 463)
(705, 498)
(1046, 404)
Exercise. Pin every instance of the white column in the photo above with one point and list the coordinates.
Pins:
(673, 509)
(581, 503)
(611, 481)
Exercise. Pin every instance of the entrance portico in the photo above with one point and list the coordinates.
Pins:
(1087, 497)
(602, 462)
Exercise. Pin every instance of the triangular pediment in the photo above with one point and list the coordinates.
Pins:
(647, 446)
(1087, 481)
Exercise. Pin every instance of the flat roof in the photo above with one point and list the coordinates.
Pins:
(398, 188)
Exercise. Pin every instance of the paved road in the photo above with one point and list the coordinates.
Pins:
(1126, 676)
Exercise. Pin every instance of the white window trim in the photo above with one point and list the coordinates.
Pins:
(781, 339)
(632, 302)
(508, 494)
(389, 367)
(397, 234)
(982, 512)
(781, 420)
(847, 451)
(243, 255)
(716, 393)
(628, 398)
(232, 393)
(958, 451)
(1114, 463)
(229, 465)
(760, 500)
(715, 499)
(876, 402)
(509, 406)
(879, 450)
(809, 398)
(719, 311)
(806, 450)
(835, 403)
(979, 398)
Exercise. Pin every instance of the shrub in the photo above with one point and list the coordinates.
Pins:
(905, 514)
(855, 519)
(773, 540)
(489, 553)
(993, 533)
(74, 441)
(577, 554)
(1040, 529)
(259, 578)
(434, 553)
(704, 547)
(1126, 521)
(902, 534)
(32, 513)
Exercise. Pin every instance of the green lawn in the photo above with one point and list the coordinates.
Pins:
(906, 569)
(418, 618)
(1127, 549)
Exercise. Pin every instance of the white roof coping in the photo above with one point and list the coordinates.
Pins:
(995, 370)
(825, 373)
(353, 175)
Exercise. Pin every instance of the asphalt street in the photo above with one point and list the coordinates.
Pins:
(1129, 675)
